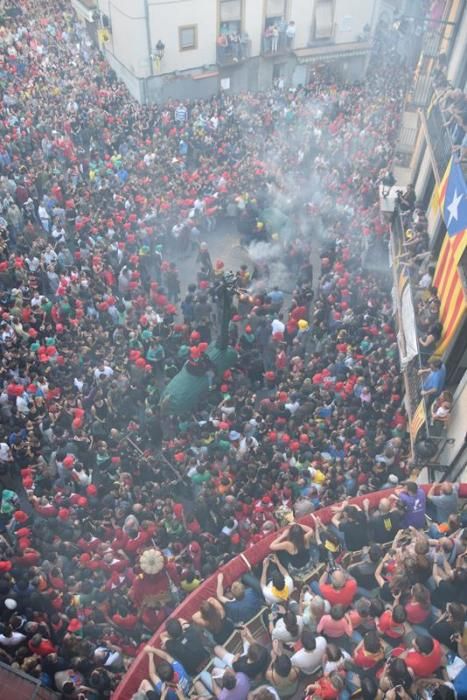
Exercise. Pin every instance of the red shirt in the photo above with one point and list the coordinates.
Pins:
(326, 690)
(365, 659)
(128, 622)
(416, 613)
(339, 596)
(425, 664)
(45, 647)
(390, 628)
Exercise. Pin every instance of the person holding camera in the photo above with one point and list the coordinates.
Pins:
(280, 587)
(336, 586)
(413, 500)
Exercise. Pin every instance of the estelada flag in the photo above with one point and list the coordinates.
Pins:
(452, 197)
(448, 279)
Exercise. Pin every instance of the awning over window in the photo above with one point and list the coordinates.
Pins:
(322, 54)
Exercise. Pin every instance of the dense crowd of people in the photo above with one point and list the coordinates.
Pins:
(101, 491)
(383, 618)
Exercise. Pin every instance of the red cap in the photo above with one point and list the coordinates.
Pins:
(20, 516)
(74, 625)
(23, 532)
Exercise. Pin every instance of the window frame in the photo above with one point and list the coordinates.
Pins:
(330, 37)
(224, 2)
(183, 28)
(284, 15)
(240, 21)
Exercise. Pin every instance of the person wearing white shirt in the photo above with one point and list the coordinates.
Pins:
(50, 256)
(33, 264)
(103, 371)
(10, 638)
(290, 33)
(246, 445)
(277, 326)
(335, 659)
(36, 300)
(310, 657)
(5, 453)
(288, 628)
(44, 217)
(229, 527)
(292, 407)
(22, 404)
(58, 233)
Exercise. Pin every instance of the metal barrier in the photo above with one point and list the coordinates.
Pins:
(16, 685)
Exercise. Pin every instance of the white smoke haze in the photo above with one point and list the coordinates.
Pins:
(260, 251)
(272, 255)
(309, 166)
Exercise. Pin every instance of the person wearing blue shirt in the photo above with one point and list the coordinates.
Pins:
(433, 382)
(276, 297)
(244, 604)
(168, 676)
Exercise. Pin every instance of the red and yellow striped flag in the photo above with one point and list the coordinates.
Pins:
(448, 282)
(419, 418)
(447, 278)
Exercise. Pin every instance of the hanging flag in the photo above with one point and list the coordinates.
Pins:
(453, 199)
(450, 287)
(418, 419)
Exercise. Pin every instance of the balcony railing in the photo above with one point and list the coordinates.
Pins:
(233, 54)
(431, 42)
(422, 92)
(273, 46)
(444, 134)
(440, 139)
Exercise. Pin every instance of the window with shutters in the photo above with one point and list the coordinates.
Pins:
(323, 24)
(188, 37)
(230, 15)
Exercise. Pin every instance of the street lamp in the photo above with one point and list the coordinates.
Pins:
(159, 50)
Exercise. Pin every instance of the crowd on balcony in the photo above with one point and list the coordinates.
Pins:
(279, 36)
(418, 262)
(453, 104)
(232, 46)
(100, 198)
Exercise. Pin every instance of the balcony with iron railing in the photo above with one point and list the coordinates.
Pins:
(398, 249)
(86, 9)
(275, 45)
(422, 428)
(445, 132)
(233, 53)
